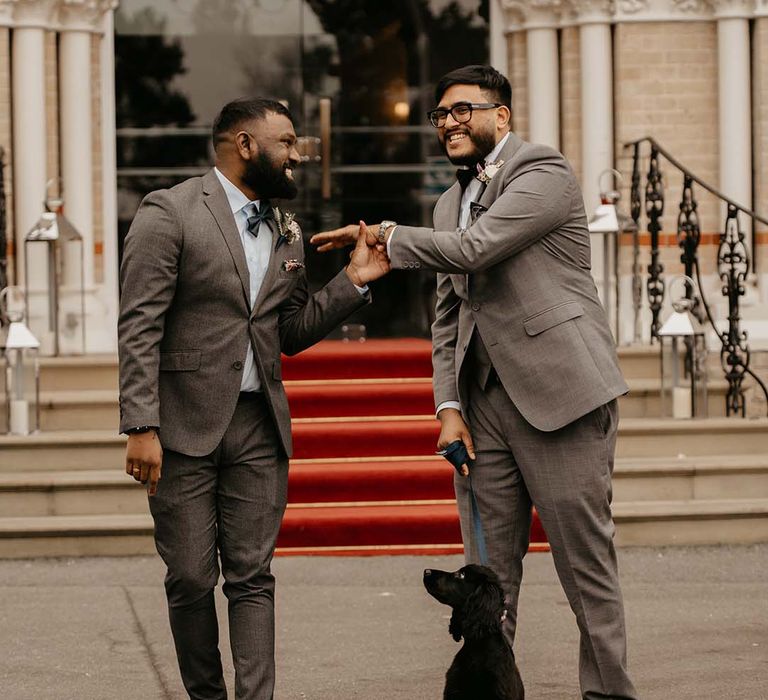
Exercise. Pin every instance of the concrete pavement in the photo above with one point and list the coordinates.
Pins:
(96, 629)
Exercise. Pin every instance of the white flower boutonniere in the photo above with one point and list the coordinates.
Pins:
(487, 173)
(288, 228)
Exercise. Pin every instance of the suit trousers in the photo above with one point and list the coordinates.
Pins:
(566, 474)
(228, 504)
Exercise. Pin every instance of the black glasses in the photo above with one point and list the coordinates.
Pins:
(461, 112)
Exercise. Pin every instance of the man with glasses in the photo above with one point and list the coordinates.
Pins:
(525, 369)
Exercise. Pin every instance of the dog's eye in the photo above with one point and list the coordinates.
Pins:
(460, 574)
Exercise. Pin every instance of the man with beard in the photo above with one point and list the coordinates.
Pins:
(213, 289)
(525, 368)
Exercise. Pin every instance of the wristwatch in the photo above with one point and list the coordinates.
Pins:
(140, 429)
(383, 227)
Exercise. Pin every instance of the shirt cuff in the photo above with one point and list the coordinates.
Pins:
(448, 404)
(362, 290)
(389, 241)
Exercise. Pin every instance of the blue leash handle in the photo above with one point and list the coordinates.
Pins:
(456, 453)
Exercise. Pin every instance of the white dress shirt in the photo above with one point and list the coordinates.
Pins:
(468, 196)
(257, 251)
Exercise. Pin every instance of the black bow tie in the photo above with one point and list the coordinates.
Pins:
(265, 213)
(466, 175)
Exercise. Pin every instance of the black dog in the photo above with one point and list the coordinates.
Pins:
(484, 668)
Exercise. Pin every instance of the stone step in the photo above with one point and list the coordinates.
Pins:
(94, 492)
(643, 523)
(77, 373)
(96, 409)
(638, 437)
(101, 371)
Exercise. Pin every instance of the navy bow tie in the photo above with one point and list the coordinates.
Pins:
(256, 216)
(466, 175)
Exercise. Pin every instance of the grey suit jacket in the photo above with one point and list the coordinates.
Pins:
(520, 274)
(185, 322)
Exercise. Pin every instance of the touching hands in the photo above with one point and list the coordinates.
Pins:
(344, 236)
(453, 427)
(144, 459)
(368, 261)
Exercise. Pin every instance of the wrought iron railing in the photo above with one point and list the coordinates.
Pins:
(733, 262)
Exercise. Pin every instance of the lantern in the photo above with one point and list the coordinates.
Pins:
(55, 289)
(21, 369)
(683, 348)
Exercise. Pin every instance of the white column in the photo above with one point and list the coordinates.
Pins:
(498, 38)
(543, 86)
(80, 20)
(596, 99)
(735, 103)
(30, 154)
(109, 182)
(540, 19)
(77, 141)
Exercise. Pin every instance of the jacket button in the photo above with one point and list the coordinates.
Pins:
(237, 364)
(475, 307)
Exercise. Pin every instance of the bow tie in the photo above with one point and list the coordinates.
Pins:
(466, 175)
(256, 216)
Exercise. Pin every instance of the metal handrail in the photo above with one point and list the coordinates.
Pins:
(697, 180)
(733, 264)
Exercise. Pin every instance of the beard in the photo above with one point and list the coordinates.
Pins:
(268, 179)
(483, 142)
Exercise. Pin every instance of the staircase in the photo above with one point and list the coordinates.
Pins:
(364, 478)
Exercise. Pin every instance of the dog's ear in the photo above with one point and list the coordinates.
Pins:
(454, 626)
(481, 614)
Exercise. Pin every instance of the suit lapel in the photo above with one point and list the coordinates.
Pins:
(453, 203)
(217, 203)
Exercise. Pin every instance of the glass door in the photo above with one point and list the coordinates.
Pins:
(357, 75)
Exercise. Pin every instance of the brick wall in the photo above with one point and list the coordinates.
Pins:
(666, 87)
(96, 153)
(5, 133)
(570, 96)
(52, 113)
(760, 146)
(518, 78)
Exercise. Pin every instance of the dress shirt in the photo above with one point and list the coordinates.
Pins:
(257, 251)
(467, 197)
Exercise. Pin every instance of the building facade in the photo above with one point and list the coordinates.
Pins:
(101, 103)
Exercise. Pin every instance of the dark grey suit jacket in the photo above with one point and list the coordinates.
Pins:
(521, 274)
(185, 323)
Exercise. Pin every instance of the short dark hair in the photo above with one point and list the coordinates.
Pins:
(238, 112)
(487, 77)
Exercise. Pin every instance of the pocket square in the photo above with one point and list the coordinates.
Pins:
(291, 265)
(475, 210)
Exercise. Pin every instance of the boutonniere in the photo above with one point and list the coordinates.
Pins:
(288, 228)
(291, 265)
(487, 173)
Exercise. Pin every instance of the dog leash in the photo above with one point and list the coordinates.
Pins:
(456, 453)
(477, 525)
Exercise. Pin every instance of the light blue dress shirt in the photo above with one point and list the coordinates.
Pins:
(257, 251)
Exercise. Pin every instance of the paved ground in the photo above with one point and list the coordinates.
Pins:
(96, 629)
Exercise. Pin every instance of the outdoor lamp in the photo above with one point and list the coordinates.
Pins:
(21, 369)
(53, 250)
(609, 222)
(683, 348)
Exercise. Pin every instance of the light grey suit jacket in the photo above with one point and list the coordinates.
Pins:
(185, 321)
(520, 274)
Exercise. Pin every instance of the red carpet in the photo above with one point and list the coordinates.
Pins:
(364, 479)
